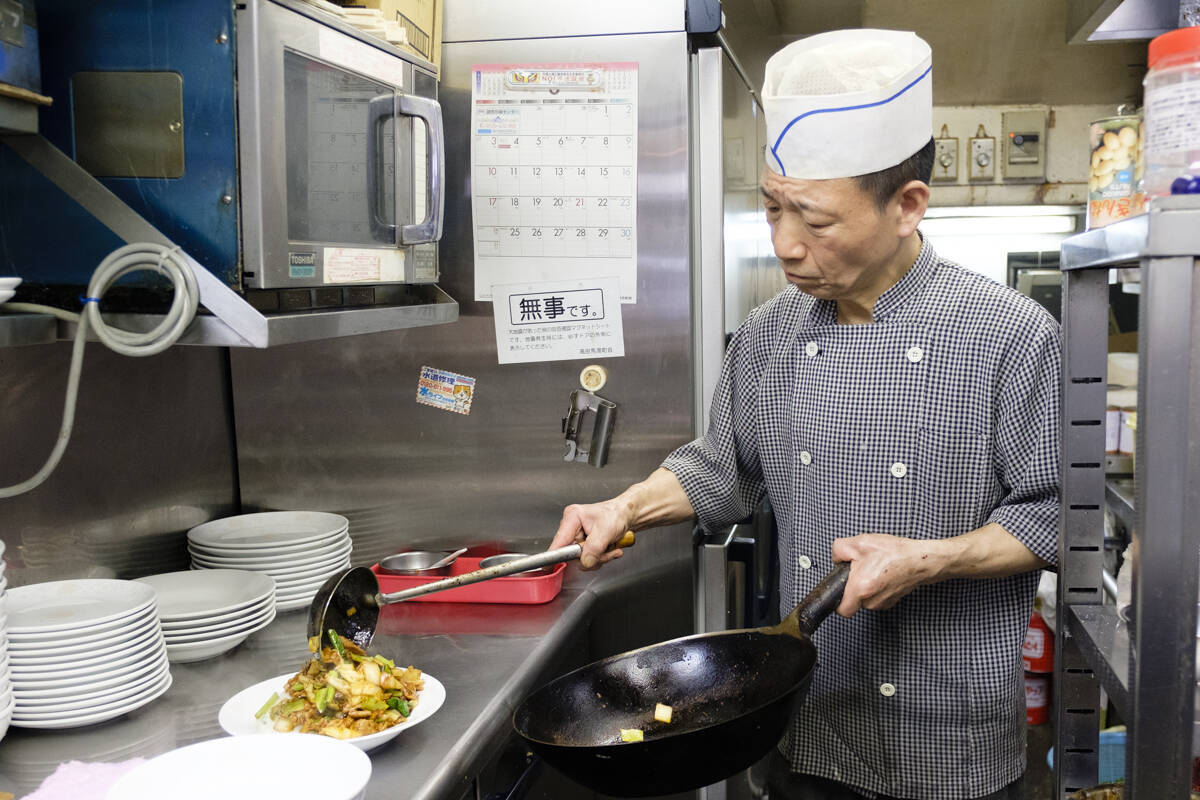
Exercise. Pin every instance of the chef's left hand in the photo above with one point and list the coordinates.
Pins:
(883, 569)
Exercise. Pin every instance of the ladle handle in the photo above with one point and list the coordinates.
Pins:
(556, 556)
(824, 599)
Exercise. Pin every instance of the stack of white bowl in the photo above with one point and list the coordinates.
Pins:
(207, 612)
(83, 651)
(7, 701)
(299, 549)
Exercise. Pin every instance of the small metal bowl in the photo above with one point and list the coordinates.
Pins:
(416, 562)
(504, 558)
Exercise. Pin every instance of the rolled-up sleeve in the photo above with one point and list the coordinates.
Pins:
(720, 471)
(1027, 430)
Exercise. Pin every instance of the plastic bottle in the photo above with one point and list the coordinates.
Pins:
(1172, 146)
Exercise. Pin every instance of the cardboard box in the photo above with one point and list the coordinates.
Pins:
(420, 19)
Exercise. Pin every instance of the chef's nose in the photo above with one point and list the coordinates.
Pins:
(788, 243)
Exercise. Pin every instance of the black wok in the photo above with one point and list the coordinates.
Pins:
(732, 693)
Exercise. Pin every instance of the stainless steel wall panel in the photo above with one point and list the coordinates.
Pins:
(527, 19)
(151, 455)
(335, 426)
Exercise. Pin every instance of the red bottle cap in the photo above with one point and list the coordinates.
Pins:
(1178, 42)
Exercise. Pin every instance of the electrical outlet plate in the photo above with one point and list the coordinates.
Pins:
(981, 165)
(1024, 145)
(945, 160)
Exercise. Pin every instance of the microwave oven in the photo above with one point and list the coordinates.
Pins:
(298, 159)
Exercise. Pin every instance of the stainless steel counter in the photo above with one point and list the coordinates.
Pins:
(488, 657)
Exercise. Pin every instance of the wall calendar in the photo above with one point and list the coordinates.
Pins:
(554, 174)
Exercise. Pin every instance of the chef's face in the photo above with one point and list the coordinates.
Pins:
(832, 239)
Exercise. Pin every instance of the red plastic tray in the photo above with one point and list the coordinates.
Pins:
(509, 589)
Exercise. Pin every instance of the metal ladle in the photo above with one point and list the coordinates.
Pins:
(349, 601)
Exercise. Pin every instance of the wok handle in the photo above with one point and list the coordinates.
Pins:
(823, 600)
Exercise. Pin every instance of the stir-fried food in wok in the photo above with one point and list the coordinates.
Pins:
(342, 692)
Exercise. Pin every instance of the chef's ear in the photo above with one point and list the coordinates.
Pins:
(909, 205)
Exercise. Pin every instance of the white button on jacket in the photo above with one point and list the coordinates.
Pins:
(812, 348)
(805, 457)
(899, 470)
(887, 690)
(915, 354)
(804, 561)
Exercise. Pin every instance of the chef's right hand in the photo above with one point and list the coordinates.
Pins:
(595, 526)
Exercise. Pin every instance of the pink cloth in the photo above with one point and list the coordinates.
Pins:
(78, 780)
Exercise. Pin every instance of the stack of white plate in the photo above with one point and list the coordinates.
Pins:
(299, 549)
(207, 612)
(83, 651)
(7, 701)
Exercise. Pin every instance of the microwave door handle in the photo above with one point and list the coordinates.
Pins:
(379, 110)
(429, 229)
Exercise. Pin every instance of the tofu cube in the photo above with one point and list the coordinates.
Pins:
(662, 713)
(631, 735)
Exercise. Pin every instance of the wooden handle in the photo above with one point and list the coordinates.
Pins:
(625, 541)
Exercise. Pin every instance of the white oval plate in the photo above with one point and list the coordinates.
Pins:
(37, 691)
(26, 708)
(103, 662)
(89, 652)
(196, 595)
(267, 528)
(73, 605)
(60, 720)
(334, 542)
(215, 623)
(273, 565)
(285, 572)
(246, 626)
(237, 715)
(271, 768)
(71, 641)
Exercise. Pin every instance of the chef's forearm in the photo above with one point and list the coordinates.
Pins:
(986, 552)
(658, 500)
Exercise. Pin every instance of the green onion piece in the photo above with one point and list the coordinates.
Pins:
(296, 688)
(385, 662)
(373, 704)
(293, 706)
(400, 704)
(337, 643)
(267, 705)
(321, 699)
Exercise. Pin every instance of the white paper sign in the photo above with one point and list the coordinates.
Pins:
(558, 320)
(554, 173)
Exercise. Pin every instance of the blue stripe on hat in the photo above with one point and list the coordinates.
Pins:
(775, 148)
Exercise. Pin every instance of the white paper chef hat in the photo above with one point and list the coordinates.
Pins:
(847, 103)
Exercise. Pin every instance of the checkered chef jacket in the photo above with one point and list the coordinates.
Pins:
(938, 418)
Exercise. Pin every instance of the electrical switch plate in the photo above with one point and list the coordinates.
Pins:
(945, 160)
(982, 163)
(1024, 145)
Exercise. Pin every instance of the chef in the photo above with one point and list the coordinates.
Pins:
(902, 413)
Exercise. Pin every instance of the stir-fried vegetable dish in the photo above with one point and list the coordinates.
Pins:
(342, 692)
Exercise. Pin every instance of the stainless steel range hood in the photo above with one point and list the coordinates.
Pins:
(1119, 20)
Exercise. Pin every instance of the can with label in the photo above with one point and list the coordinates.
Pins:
(1128, 430)
(1037, 651)
(1037, 697)
(1115, 170)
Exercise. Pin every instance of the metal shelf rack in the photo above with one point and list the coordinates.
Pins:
(1148, 665)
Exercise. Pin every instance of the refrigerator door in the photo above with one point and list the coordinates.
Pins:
(733, 271)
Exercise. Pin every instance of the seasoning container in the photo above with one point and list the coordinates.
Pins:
(1114, 177)
(1112, 430)
(1172, 114)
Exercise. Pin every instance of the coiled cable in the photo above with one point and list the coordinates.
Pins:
(122, 261)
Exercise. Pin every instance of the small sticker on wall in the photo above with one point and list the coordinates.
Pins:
(448, 391)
